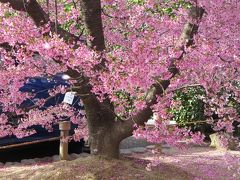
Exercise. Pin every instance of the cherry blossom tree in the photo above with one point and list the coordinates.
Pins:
(125, 60)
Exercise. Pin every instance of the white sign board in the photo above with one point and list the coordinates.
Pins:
(68, 98)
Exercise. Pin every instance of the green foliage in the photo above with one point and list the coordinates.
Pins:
(67, 25)
(171, 9)
(166, 7)
(190, 107)
(139, 2)
(234, 103)
(68, 7)
(8, 14)
(128, 101)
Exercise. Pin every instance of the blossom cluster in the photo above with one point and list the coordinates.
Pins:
(141, 43)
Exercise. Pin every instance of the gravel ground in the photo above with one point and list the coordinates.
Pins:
(39, 161)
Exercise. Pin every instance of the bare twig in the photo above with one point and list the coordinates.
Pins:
(115, 17)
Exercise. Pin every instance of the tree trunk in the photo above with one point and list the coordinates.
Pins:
(104, 139)
(105, 134)
(104, 143)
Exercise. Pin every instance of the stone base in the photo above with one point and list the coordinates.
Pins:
(218, 142)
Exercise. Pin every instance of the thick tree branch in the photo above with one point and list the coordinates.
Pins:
(32, 8)
(91, 10)
(186, 39)
(191, 28)
(39, 16)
